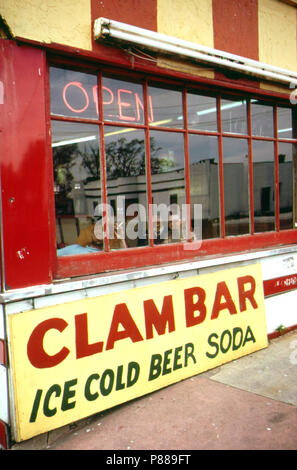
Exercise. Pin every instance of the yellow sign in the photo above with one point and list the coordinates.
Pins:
(76, 359)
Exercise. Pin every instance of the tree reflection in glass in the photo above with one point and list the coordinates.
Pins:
(76, 166)
(126, 181)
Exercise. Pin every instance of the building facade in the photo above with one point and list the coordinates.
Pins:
(142, 143)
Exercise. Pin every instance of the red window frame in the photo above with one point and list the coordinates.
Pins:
(105, 261)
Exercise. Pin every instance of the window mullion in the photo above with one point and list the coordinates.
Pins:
(221, 175)
(148, 164)
(187, 167)
(251, 175)
(102, 162)
(276, 176)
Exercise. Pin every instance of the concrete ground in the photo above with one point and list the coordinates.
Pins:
(249, 404)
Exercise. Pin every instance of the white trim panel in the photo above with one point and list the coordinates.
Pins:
(4, 409)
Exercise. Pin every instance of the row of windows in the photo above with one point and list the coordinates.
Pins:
(139, 164)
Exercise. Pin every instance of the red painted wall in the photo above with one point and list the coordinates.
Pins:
(141, 13)
(235, 30)
(235, 24)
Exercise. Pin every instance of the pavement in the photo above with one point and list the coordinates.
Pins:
(248, 404)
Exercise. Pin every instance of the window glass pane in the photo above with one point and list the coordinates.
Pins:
(204, 183)
(73, 94)
(262, 119)
(284, 123)
(126, 185)
(168, 187)
(202, 112)
(77, 186)
(234, 116)
(286, 156)
(236, 186)
(263, 176)
(122, 101)
(166, 107)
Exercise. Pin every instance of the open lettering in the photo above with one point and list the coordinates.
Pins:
(123, 104)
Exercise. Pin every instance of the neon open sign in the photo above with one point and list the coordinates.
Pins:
(119, 103)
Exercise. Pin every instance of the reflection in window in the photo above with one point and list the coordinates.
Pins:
(202, 112)
(262, 119)
(204, 182)
(234, 116)
(73, 94)
(167, 107)
(236, 186)
(76, 175)
(126, 183)
(122, 101)
(168, 185)
(132, 124)
(263, 180)
(286, 155)
(284, 123)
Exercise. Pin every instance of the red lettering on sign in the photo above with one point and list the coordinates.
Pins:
(159, 320)
(151, 117)
(35, 350)
(83, 348)
(123, 325)
(191, 306)
(222, 292)
(125, 101)
(280, 284)
(245, 295)
(95, 98)
(111, 95)
(124, 104)
(121, 316)
(139, 104)
(80, 87)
